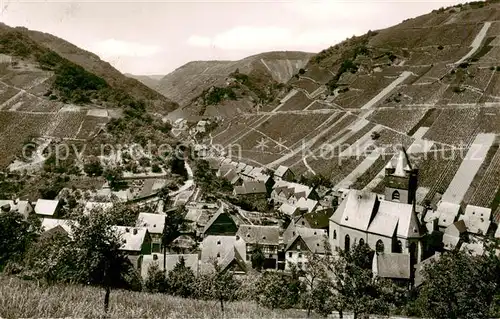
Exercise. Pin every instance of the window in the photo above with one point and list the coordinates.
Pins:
(379, 247)
(334, 234)
(290, 255)
(398, 247)
(300, 255)
(361, 241)
(298, 246)
(270, 255)
(248, 257)
(347, 243)
(218, 255)
(395, 196)
(218, 242)
(303, 223)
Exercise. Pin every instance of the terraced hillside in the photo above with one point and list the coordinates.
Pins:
(256, 79)
(431, 83)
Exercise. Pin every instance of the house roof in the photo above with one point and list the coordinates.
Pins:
(307, 204)
(224, 169)
(50, 223)
(456, 228)
(46, 207)
(218, 213)
(191, 261)
(193, 214)
(420, 268)
(224, 249)
(392, 265)
(232, 176)
(474, 249)
(298, 188)
(476, 219)
(280, 171)
(184, 241)
(356, 210)
(23, 207)
(153, 222)
(251, 187)
(313, 238)
(450, 241)
(288, 209)
(132, 237)
(319, 218)
(257, 234)
(447, 213)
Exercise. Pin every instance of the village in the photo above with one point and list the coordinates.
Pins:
(295, 221)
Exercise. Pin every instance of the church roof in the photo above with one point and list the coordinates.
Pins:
(360, 211)
(402, 163)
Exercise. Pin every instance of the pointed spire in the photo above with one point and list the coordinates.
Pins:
(402, 163)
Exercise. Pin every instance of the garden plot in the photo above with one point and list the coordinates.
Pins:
(435, 73)
(306, 84)
(468, 96)
(489, 120)
(402, 120)
(335, 168)
(26, 80)
(297, 102)
(454, 126)
(90, 126)
(468, 169)
(489, 184)
(492, 92)
(362, 174)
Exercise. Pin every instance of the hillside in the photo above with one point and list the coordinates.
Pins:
(430, 83)
(44, 95)
(150, 81)
(264, 70)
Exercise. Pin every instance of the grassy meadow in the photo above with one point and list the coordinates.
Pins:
(27, 299)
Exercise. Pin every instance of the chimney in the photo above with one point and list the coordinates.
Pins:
(135, 231)
(127, 230)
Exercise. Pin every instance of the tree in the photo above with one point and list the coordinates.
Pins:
(458, 285)
(174, 224)
(114, 176)
(224, 285)
(315, 274)
(181, 280)
(279, 290)
(93, 167)
(16, 236)
(96, 247)
(155, 280)
(258, 258)
(353, 282)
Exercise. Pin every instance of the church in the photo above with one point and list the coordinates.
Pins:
(388, 224)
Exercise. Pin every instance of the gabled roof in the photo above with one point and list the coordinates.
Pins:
(257, 234)
(456, 228)
(218, 215)
(319, 218)
(288, 209)
(356, 210)
(132, 237)
(153, 222)
(46, 207)
(50, 223)
(476, 219)
(251, 187)
(392, 265)
(224, 249)
(308, 205)
(402, 164)
(280, 171)
(313, 238)
(450, 241)
(447, 213)
(420, 268)
(297, 188)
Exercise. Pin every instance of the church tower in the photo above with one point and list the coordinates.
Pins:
(401, 180)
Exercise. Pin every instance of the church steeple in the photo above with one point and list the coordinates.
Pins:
(401, 179)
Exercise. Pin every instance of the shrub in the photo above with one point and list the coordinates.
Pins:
(498, 68)
(440, 47)
(302, 71)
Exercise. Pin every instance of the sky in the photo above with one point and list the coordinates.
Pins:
(156, 37)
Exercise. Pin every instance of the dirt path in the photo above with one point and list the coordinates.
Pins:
(403, 76)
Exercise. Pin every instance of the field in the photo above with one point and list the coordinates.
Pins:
(306, 84)
(454, 126)
(362, 90)
(297, 102)
(401, 120)
(23, 299)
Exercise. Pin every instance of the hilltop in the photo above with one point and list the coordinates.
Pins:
(150, 81)
(430, 83)
(254, 80)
